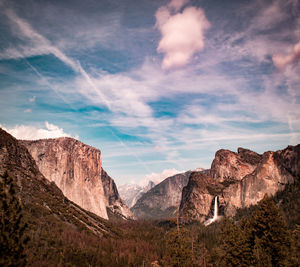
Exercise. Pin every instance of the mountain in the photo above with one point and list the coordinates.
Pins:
(130, 193)
(239, 180)
(162, 200)
(42, 200)
(60, 232)
(76, 169)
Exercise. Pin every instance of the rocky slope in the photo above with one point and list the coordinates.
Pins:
(162, 200)
(239, 180)
(76, 169)
(114, 203)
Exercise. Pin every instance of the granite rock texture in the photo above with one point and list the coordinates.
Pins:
(239, 180)
(76, 169)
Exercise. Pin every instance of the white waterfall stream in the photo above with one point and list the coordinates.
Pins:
(216, 215)
(216, 209)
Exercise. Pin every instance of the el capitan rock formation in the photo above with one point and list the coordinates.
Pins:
(76, 169)
(43, 202)
(239, 180)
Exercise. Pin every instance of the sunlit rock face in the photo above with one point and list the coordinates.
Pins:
(76, 170)
(231, 165)
(269, 177)
(239, 180)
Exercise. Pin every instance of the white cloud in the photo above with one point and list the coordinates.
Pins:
(158, 177)
(25, 132)
(281, 61)
(28, 110)
(182, 33)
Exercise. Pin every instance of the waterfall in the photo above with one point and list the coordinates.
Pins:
(216, 216)
(216, 209)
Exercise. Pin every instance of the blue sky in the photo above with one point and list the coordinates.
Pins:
(158, 86)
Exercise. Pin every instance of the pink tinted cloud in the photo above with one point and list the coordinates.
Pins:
(281, 61)
(182, 33)
(177, 4)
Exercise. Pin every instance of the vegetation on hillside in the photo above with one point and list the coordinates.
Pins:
(264, 235)
(12, 226)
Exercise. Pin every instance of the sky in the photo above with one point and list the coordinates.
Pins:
(158, 86)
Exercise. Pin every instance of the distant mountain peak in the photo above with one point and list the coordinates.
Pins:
(161, 201)
(131, 193)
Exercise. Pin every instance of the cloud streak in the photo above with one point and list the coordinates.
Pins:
(43, 46)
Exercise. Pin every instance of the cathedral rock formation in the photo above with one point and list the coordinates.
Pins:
(239, 180)
(76, 169)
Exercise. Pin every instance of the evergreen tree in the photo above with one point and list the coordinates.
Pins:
(268, 235)
(234, 249)
(295, 248)
(178, 249)
(12, 238)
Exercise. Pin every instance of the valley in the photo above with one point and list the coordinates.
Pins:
(72, 213)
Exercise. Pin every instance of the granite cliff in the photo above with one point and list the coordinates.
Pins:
(239, 180)
(76, 169)
(44, 204)
(162, 200)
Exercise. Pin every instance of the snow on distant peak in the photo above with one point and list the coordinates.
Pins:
(199, 170)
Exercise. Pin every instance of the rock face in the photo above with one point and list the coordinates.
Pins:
(76, 169)
(196, 197)
(230, 165)
(162, 200)
(239, 180)
(113, 202)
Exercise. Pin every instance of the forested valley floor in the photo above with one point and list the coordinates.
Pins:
(264, 235)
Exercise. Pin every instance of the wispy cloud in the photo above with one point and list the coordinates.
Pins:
(40, 45)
